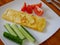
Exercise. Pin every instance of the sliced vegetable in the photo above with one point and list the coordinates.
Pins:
(26, 34)
(24, 7)
(38, 11)
(13, 38)
(20, 35)
(10, 30)
(29, 9)
(33, 5)
(39, 5)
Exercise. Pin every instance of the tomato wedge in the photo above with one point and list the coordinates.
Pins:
(38, 11)
(24, 7)
(29, 9)
(36, 7)
(39, 5)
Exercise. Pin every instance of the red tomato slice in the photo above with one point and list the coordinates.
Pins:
(38, 11)
(24, 7)
(29, 9)
(39, 5)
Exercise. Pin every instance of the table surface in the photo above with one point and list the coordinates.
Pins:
(55, 39)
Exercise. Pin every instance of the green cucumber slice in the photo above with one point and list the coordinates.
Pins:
(26, 34)
(20, 35)
(13, 38)
(9, 29)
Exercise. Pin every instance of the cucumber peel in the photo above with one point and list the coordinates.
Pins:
(13, 38)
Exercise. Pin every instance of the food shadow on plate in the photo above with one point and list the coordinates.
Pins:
(45, 29)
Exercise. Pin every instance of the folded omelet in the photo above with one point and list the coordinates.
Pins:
(25, 19)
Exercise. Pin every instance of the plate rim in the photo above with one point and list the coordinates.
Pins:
(51, 34)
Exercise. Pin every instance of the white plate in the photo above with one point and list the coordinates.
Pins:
(53, 21)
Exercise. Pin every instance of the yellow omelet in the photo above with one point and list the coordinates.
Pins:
(25, 19)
